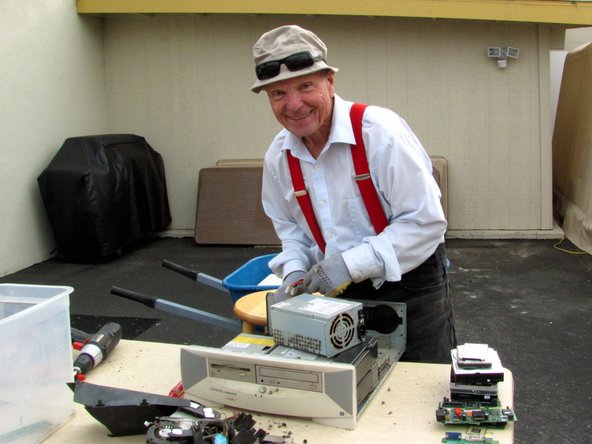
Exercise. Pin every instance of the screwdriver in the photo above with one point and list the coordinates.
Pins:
(96, 348)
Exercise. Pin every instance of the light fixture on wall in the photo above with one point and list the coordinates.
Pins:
(503, 54)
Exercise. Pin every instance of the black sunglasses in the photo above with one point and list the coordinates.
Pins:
(294, 62)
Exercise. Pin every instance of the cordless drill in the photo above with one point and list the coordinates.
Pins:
(96, 347)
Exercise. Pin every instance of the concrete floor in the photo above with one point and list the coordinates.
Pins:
(525, 298)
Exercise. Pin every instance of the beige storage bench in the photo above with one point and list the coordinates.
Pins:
(229, 209)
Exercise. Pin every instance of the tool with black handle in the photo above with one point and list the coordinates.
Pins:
(179, 309)
(195, 275)
(96, 347)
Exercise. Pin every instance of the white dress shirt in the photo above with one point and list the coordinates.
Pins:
(402, 174)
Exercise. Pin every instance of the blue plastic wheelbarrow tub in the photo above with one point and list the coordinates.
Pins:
(245, 280)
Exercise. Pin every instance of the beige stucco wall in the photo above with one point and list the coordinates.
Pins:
(52, 87)
(183, 83)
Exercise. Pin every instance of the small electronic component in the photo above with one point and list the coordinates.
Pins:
(183, 429)
(459, 438)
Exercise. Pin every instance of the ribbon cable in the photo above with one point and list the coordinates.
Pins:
(362, 178)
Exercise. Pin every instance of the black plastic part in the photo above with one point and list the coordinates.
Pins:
(104, 193)
(244, 421)
(440, 415)
(244, 436)
(361, 325)
(154, 435)
(180, 269)
(107, 338)
(84, 363)
(382, 318)
(79, 335)
(124, 412)
(134, 296)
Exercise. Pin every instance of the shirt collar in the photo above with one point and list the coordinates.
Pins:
(341, 128)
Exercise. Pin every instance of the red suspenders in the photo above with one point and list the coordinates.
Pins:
(362, 177)
(304, 199)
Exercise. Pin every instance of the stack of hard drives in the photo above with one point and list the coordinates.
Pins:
(475, 372)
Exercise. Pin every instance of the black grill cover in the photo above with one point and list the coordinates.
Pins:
(103, 193)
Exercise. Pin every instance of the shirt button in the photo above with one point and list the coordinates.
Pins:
(323, 202)
(316, 166)
(330, 235)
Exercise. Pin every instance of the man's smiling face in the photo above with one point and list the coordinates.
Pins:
(304, 105)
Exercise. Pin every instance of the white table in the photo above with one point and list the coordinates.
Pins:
(404, 406)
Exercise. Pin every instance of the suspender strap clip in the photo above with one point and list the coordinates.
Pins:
(360, 177)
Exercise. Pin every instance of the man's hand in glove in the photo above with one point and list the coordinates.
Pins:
(288, 287)
(329, 277)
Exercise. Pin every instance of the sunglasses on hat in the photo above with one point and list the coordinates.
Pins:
(294, 62)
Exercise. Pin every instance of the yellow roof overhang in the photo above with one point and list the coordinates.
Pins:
(534, 11)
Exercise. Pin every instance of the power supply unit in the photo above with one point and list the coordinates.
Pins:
(320, 325)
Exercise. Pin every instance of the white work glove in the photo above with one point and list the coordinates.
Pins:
(289, 285)
(329, 277)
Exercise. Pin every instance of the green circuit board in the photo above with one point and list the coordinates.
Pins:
(473, 413)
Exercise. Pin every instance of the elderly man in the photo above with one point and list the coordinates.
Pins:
(351, 195)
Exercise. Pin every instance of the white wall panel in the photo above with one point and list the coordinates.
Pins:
(52, 87)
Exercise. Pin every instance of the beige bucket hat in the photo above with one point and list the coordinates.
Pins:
(287, 52)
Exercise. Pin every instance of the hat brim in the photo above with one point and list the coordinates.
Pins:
(286, 74)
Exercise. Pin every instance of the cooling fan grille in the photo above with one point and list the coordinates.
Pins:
(342, 331)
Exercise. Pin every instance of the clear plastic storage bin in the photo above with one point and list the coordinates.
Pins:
(35, 361)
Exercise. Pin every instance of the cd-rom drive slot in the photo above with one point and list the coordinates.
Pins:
(297, 379)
